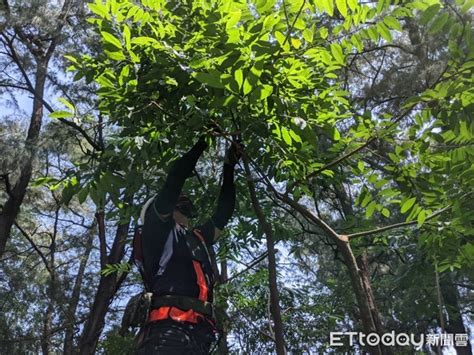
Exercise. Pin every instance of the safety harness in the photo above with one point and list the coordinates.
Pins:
(181, 308)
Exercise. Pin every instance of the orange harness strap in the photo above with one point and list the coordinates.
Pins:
(189, 315)
(175, 314)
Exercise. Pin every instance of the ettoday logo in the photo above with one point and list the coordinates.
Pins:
(401, 339)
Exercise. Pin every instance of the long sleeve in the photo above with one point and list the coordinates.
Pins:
(182, 169)
(226, 201)
(155, 229)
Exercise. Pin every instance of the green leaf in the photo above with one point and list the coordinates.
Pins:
(295, 136)
(71, 59)
(366, 200)
(265, 91)
(384, 32)
(296, 43)
(67, 104)
(421, 218)
(239, 77)
(110, 38)
(336, 51)
(61, 114)
(247, 87)
(211, 79)
(429, 13)
(439, 23)
(142, 40)
(342, 7)
(385, 212)
(118, 55)
(328, 172)
(233, 19)
(280, 37)
(43, 181)
(127, 36)
(98, 9)
(380, 6)
(352, 4)
(308, 35)
(370, 209)
(323, 32)
(264, 5)
(392, 22)
(408, 204)
(286, 136)
(328, 5)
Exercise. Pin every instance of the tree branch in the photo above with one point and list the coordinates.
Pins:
(396, 225)
(35, 247)
(102, 241)
(349, 154)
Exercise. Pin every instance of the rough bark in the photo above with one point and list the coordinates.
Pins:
(68, 347)
(272, 273)
(358, 287)
(51, 291)
(108, 286)
(455, 323)
(15, 197)
(42, 55)
(363, 262)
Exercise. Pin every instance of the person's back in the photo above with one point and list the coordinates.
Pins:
(176, 262)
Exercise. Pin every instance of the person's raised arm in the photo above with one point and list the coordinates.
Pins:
(182, 168)
(226, 201)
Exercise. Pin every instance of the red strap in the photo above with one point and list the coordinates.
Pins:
(201, 281)
(159, 314)
(175, 314)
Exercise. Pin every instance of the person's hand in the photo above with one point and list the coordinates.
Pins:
(233, 154)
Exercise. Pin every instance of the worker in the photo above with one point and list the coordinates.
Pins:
(175, 261)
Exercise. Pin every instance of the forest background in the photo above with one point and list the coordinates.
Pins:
(355, 191)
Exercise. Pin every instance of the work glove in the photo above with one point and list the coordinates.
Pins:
(233, 154)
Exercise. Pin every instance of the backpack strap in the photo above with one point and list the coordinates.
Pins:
(137, 257)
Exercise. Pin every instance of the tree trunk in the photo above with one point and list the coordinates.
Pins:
(51, 291)
(272, 273)
(358, 287)
(15, 197)
(68, 348)
(363, 262)
(223, 348)
(455, 323)
(108, 286)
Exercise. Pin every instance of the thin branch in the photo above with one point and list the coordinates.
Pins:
(249, 266)
(30, 88)
(294, 22)
(250, 321)
(102, 241)
(35, 247)
(351, 153)
(396, 225)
